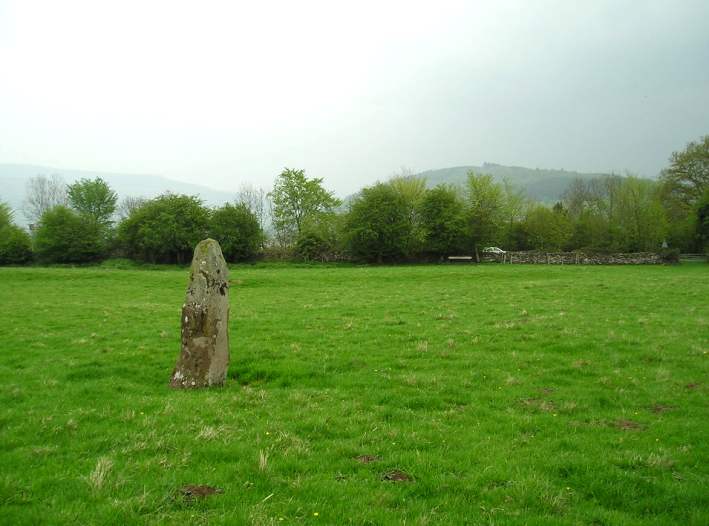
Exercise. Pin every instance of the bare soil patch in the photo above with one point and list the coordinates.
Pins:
(539, 404)
(396, 475)
(660, 408)
(192, 491)
(628, 425)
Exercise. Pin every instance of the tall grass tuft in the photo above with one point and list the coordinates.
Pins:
(98, 476)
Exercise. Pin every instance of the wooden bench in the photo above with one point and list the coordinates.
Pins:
(462, 259)
(692, 257)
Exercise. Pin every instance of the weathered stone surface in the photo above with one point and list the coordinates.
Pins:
(204, 357)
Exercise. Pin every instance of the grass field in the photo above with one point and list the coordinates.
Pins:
(507, 394)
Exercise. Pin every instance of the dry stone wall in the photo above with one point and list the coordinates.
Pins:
(574, 258)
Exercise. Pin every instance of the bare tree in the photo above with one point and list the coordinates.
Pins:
(127, 205)
(42, 194)
(257, 201)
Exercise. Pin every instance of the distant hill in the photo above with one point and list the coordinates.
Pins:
(13, 178)
(540, 184)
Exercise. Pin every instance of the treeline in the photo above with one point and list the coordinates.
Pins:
(397, 220)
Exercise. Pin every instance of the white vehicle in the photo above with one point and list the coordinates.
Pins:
(493, 250)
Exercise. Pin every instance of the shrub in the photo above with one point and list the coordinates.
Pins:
(378, 226)
(670, 255)
(238, 231)
(311, 246)
(318, 238)
(164, 230)
(63, 236)
(15, 246)
(442, 222)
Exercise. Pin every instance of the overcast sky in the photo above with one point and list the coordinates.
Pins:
(222, 93)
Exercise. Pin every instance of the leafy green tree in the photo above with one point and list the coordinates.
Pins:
(377, 227)
(485, 210)
(687, 177)
(637, 216)
(616, 213)
(681, 231)
(589, 231)
(93, 199)
(412, 190)
(238, 231)
(515, 204)
(294, 199)
(547, 229)
(683, 184)
(589, 204)
(319, 238)
(702, 228)
(442, 218)
(64, 236)
(164, 229)
(5, 215)
(410, 187)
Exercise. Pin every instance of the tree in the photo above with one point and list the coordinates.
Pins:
(15, 243)
(576, 198)
(319, 238)
(687, 177)
(256, 200)
(638, 217)
(378, 227)
(702, 228)
(615, 213)
(515, 203)
(547, 229)
(238, 231)
(93, 199)
(294, 199)
(43, 193)
(6, 214)
(410, 187)
(412, 190)
(683, 184)
(590, 204)
(590, 231)
(128, 204)
(485, 210)
(441, 213)
(64, 236)
(165, 229)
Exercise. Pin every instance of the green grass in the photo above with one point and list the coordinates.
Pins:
(510, 394)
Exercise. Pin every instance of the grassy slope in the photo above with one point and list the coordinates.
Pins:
(512, 395)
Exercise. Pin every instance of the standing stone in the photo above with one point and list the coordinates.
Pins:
(204, 357)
